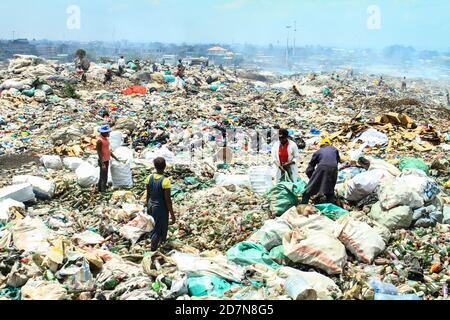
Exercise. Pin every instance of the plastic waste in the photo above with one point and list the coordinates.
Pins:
(42, 188)
(52, 162)
(299, 289)
(87, 175)
(260, 179)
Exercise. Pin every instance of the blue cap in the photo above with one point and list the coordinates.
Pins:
(104, 129)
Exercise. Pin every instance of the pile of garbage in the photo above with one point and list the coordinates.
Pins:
(238, 234)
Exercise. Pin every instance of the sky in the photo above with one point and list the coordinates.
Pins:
(424, 24)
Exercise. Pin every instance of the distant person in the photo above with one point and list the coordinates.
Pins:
(108, 75)
(82, 64)
(381, 81)
(154, 68)
(163, 62)
(323, 172)
(338, 78)
(404, 84)
(137, 62)
(284, 154)
(351, 73)
(159, 203)
(181, 70)
(448, 98)
(122, 64)
(104, 157)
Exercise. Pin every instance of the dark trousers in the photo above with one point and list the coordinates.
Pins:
(108, 78)
(103, 182)
(330, 198)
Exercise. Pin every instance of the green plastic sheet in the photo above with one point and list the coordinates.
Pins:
(208, 286)
(413, 163)
(331, 211)
(247, 253)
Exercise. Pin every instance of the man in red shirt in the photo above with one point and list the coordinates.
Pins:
(104, 157)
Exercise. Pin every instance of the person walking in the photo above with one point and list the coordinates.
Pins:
(159, 203)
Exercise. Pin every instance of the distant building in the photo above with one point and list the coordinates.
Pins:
(20, 46)
(219, 55)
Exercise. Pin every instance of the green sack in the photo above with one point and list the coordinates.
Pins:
(277, 254)
(413, 163)
(247, 253)
(285, 195)
(331, 211)
(132, 66)
(326, 92)
(208, 286)
(29, 93)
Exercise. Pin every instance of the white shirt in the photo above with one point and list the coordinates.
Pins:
(121, 62)
(292, 150)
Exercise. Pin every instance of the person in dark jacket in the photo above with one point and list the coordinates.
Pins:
(323, 172)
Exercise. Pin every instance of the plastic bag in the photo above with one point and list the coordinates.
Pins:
(397, 218)
(364, 184)
(247, 253)
(18, 192)
(373, 138)
(413, 163)
(283, 196)
(87, 175)
(31, 235)
(325, 288)
(116, 140)
(88, 238)
(271, 234)
(5, 209)
(203, 266)
(315, 248)
(52, 162)
(121, 175)
(72, 163)
(42, 188)
(315, 222)
(360, 239)
(208, 286)
(136, 228)
(230, 180)
(408, 189)
(41, 290)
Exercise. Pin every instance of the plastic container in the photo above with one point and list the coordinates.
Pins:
(298, 289)
(260, 179)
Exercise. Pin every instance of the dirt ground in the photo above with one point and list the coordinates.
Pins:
(17, 161)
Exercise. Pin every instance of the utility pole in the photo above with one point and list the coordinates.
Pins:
(295, 36)
(287, 45)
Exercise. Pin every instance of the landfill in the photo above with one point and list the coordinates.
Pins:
(238, 234)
